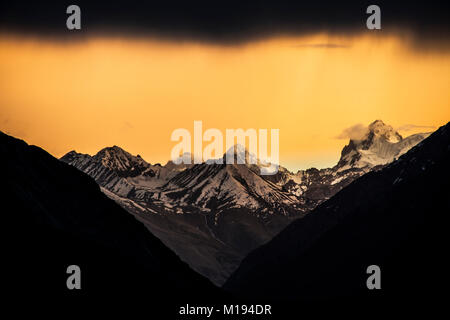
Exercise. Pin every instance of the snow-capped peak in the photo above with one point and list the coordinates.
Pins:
(240, 155)
(380, 145)
(119, 160)
(379, 129)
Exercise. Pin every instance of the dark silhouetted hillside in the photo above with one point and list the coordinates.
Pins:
(56, 216)
(394, 218)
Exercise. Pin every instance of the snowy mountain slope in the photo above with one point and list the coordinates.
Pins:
(211, 215)
(120, 172)
(202, 186)
(217, 186)
(207, 254)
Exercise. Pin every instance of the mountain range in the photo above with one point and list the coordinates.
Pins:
(213, 215)
(394, 216)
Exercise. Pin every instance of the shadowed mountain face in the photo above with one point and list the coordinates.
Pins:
(58, 216)
(393, 218)
(213, 215)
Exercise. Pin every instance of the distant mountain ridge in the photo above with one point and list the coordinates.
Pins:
(212, 215)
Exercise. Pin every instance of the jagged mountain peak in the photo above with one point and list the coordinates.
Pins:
(73, 156)
(240, 155)
(379, 129)
(379, 146)
(121, 161)
(114, 151)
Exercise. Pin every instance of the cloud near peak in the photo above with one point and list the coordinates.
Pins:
(356, 132)
(410, 127)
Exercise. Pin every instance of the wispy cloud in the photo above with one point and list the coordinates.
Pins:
(126, 126)
(356, 132)
(410, 127)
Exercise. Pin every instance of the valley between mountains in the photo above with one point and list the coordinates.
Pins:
(213, 215)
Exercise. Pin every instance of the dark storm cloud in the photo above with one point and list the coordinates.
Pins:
(323, 45)
(228, 22)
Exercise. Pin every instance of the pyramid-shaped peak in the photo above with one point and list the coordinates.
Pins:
(113, 149)
(240, 154)
(119, 160)
(115, 152)
(111, 153)
(378, 122)
(238, 148)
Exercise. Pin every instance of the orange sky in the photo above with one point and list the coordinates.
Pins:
(133, 93)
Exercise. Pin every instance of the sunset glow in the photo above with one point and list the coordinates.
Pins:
(133, 93)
